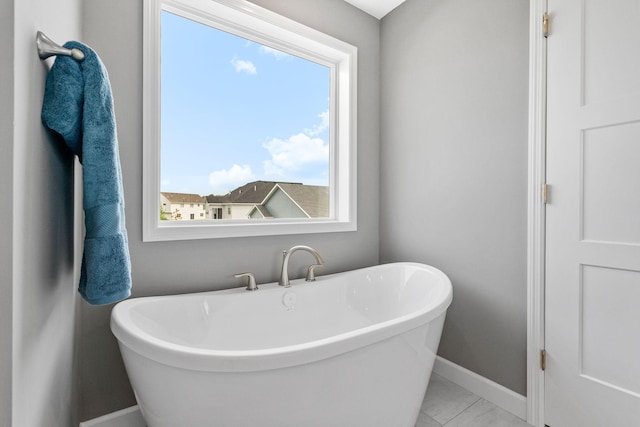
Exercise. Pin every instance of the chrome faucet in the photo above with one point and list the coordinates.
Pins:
(284, 275)
(251, 281)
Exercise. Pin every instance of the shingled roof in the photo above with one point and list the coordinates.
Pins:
(252, 193)
(313, 199)
(263, 211)
(183, 198)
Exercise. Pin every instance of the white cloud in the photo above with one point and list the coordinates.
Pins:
(324, 124)
(288, 157)
(278, 54)
(243, 66)
(224, 181)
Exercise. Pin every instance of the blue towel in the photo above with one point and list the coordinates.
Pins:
(78, 105)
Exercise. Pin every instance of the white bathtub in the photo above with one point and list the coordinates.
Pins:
(352, 349)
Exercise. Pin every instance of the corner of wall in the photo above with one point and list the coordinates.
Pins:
(42, 200)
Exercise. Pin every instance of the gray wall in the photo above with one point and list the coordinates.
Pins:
(114, 29)
(41, 206)
(453, 180)
(452, 190)
(6, 193)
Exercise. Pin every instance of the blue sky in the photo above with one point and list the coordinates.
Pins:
(234, 111)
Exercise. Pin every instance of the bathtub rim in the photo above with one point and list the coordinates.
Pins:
(181, 356)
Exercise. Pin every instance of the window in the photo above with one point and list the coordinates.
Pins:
(215, 213)
(191, 126)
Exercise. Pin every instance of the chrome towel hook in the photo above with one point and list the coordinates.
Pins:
(47, 47)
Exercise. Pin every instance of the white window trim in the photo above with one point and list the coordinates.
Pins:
(254, 22)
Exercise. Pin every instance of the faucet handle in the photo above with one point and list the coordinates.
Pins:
(251, 281)
(311, 274)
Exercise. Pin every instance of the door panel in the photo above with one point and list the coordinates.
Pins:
(611, 194)
(592, 283)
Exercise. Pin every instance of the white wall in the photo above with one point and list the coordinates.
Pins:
(453, 180)
(43, 279)
(114, 29)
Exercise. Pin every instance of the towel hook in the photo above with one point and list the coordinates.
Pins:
(47, 47)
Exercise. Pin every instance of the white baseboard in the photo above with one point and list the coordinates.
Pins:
(493, 392)
(129, 417)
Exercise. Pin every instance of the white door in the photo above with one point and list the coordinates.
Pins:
(592, 291)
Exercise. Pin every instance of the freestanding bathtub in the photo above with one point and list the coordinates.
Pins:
(353, 349)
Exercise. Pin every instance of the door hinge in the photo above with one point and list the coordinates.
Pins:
(543, 360)
(545, 193)
(545, 25)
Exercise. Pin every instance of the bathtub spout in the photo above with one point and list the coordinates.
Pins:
(284, 275)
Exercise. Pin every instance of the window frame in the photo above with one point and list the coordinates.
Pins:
(255, 23)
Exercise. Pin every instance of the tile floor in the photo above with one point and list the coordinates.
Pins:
(445, 405)
(448, 405)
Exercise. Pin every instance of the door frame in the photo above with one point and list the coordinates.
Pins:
(536, 211)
